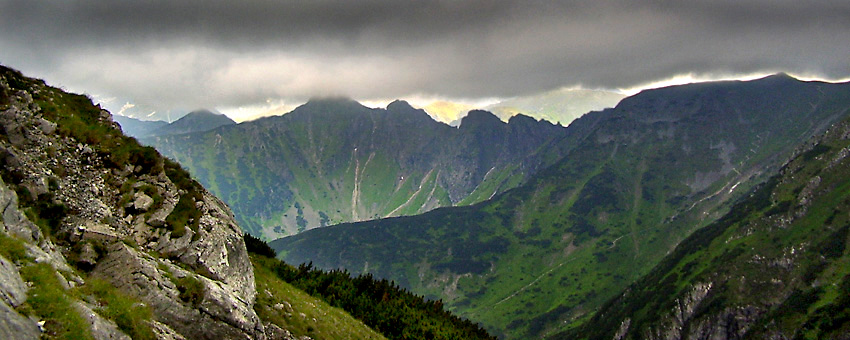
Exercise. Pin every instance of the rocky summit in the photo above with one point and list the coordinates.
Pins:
(83, 203)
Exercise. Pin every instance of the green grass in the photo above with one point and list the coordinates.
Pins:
(12, 248)
(290, 308)
(49, 301)
(129, 313)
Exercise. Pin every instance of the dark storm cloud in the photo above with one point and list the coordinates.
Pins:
(205, 53)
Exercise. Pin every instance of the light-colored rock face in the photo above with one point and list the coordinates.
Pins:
(117, 208)
(16, 326)
(14, 221)
(217, 313)
(13, 290)
(101, 328)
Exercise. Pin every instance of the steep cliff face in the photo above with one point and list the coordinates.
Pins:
(92, 204)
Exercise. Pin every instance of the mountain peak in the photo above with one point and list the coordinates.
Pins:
(332, 104)
(399, 105)
(198, 120)
(781, 77)
(480, 118)
(336, 100)
(522, 119)
(201, 112)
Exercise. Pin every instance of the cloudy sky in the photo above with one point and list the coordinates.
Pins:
(168, 55)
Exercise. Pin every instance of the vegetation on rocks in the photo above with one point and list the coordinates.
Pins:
(378, 303)
(83, 204)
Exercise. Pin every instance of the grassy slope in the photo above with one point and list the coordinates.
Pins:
(545, 255)
(303, 315)
(780, 255)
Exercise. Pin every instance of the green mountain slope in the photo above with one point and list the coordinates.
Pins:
(775, 267)
(103, 238)
(334, 160)
(635, 181)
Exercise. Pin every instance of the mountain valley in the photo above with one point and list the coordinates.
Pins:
(711, 210)
(634, 182)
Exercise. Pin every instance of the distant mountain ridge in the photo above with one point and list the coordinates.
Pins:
(634, 181)
(138, 128)
(560, 106)
(195, 121)
(334, 160)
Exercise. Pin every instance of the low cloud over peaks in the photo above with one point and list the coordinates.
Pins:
(163, 55)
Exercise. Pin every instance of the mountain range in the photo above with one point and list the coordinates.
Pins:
(632, 183)
(103, 238)
(560, 106)
(195, 121)
(334, 160)
(705, 211)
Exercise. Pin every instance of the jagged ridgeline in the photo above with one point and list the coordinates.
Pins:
(635, 180)
(775, 267)
(102, 238)
(334, 160)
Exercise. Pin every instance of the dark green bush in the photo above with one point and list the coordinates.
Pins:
(185, 214)
(257, 246)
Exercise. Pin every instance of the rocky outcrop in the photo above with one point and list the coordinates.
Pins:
(681, 314)
(112, 216)
(215, 313)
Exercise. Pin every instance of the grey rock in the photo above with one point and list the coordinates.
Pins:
(46, 126)
(214, 255)
(13, 290)
(14, 220)
(36, 187)
(731, 323)
(163, 332)
(87, 256)
(157, 219)
(101, 329)
(220, 314)
(142, 202)
(16, 326)
(13, 129)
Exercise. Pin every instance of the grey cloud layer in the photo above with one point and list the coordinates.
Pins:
(206, 53)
